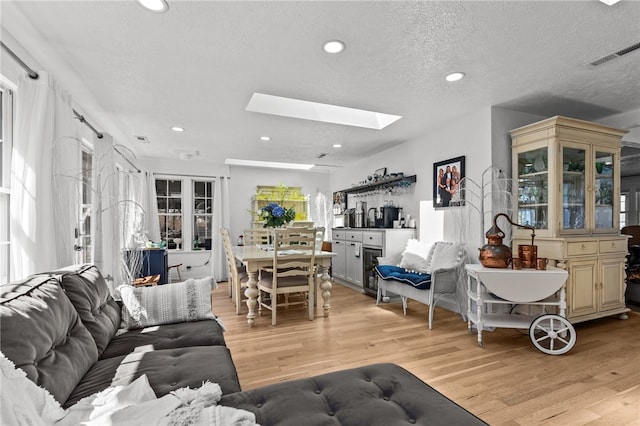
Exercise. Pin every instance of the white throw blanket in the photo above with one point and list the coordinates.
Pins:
(25, 403)
(22, 401)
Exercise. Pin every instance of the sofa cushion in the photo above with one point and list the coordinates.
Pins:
(379, 394)
(89, 293)
(417, 280)
(167, 336)
(167, 370)
(41, 332)
(165, 304)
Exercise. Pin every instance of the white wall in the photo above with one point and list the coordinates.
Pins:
(468, 135)
(243, 186)
(502, 122)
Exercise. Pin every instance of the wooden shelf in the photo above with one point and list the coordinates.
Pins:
(386, 183)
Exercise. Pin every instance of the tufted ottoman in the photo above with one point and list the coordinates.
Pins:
(378, 394)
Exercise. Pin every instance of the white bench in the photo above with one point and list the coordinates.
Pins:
(446, 266)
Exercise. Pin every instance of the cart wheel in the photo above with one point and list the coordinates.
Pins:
(552, 334)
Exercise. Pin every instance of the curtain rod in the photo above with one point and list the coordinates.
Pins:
(81, 118)
(34, 75)
(127, 160)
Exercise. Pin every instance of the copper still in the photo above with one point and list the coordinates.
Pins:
(494, 254)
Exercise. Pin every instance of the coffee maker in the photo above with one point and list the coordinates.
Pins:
(349, 218)
(389, 214)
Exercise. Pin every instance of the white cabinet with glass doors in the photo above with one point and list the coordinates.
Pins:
(567, 186)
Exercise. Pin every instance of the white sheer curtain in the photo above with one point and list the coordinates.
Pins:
(41, 235)
(150, 206)
(221, 216)
(105, 208)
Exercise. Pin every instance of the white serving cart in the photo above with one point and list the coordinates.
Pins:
(552, 334)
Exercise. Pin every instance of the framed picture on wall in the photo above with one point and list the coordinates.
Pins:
(447, 175)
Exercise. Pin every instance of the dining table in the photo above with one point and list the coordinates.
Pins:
(254, 257)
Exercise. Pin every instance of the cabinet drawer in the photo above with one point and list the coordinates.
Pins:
(613, 246)
(579, 248)
(373, 239)
(354, 236)
(337, 235)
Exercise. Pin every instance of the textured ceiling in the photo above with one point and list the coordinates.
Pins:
(139, 73)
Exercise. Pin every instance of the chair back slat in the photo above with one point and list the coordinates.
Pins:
(255, 236)
(294, 252)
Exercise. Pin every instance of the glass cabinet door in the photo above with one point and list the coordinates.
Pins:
(533, 188)
(603, 188)
(573, 188)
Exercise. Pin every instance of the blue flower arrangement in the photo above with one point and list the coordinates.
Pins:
(274, 215)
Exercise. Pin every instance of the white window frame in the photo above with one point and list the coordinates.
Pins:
(196, 213)
(183, 205)
(624, 208)
(84, 241)
(5, 180)
(189, 211)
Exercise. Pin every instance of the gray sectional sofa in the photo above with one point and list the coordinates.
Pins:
(62, 329)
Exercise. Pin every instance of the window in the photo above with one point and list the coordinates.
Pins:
(202, 213)
(6, 143)
(623, 209)
(169, 196)
(185, 211)
(84, 231)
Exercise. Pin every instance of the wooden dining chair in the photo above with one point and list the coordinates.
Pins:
(293, 271)
(254, 236)
(236, 277)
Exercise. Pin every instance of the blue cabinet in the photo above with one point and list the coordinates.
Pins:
(154, 262)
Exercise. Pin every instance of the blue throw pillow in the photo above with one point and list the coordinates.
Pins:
(417, 280)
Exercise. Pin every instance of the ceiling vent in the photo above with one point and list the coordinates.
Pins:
(142, 139)
(188, 155)
(614, 55)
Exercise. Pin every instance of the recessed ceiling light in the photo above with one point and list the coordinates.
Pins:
(455, 76)
(265, 138)
(337, 145)
(334, 46)
(296, 108)
(270, 164)
(177, 129)
(609, 2)
(158, 6)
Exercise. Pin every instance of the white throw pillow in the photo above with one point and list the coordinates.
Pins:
(446, 255)
(165, 304)
(416, 256)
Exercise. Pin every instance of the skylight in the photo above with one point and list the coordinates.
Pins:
(306, 110)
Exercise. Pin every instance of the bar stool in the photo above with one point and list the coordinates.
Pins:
(177, 267)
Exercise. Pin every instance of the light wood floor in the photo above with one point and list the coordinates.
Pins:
(508, 382)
